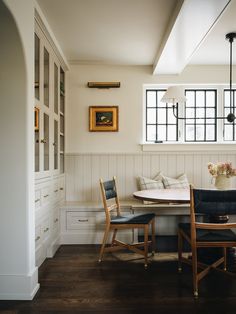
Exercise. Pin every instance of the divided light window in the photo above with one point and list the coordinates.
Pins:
(161, 125)
(229, 128)
(200, 113)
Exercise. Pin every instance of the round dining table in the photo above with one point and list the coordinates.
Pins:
(179, 196)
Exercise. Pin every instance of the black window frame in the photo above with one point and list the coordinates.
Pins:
(167, 107)
(225, 122)
(195, 90)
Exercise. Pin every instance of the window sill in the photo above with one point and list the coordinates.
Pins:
(188, 147)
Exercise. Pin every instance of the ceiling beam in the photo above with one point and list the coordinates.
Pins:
(190, 24)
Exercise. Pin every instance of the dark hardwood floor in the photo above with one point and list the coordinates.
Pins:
(74, 282)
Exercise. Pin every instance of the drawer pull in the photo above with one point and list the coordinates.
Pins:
(83, 220)
(46, 230)
(61, 189)
(37, 200)
(43, 141)
(38, 237)
(46, 195)
(56, 220)
(55, 191)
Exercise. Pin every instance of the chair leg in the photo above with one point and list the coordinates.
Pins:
(146, 246)
(180, 250)
(225, 258)
(194, 266)
(153, 237)
(113, 237)
(103, 243)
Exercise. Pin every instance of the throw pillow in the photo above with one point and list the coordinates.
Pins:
(149, 184)
(180, 182)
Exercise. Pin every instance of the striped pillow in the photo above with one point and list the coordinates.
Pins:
(180, 182)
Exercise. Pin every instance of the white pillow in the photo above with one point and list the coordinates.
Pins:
(149, 184)
(181, 182)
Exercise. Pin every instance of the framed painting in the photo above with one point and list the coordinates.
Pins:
(103, 119)
(36, 118)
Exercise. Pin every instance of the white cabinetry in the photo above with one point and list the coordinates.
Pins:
(49, 142)
(84, 223)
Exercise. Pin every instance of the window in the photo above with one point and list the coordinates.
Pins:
(161, 125)
(229, 128)
(200, 111)
(201, 125)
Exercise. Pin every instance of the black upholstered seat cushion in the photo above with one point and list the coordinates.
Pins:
(210, 235)
(133, 219)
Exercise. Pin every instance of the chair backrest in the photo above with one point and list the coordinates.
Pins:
(211, 203)
(110, 197)
(214, 202)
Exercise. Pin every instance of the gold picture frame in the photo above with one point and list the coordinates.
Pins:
(36, 118)
(103, 118)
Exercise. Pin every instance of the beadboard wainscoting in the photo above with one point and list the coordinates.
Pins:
(84, 170)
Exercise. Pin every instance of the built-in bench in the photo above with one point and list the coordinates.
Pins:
(84, 222)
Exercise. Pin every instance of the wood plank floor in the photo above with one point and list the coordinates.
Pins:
(74, 282)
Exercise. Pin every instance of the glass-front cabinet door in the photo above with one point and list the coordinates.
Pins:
(49, 87)
(45, 142)
(37, 139)
(36, 66)
(46, 78)
(55, 145)
(62, 120)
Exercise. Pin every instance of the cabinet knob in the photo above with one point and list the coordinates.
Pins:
(44, 141)
(61, 189)
(37, 200)
(46, 195)
(45, 230)
(37, 238)
(56, 220)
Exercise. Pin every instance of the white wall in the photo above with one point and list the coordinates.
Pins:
(129, 98)
(18, 275)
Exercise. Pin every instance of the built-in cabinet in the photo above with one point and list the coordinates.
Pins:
(49, 143)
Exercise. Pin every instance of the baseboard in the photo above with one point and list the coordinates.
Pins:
(19, 287)
(51, 250)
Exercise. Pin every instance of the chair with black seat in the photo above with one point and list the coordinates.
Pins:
(120, 222)
(212, 203)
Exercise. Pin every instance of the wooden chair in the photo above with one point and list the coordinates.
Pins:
(120, 222)
(205, 235)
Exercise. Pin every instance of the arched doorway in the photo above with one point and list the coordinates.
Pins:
(18, 275)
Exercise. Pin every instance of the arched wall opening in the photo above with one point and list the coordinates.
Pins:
(18, 279)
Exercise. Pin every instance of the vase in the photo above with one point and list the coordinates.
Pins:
(222, 182)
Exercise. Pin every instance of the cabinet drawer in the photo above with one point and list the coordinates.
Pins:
(45, 195)
(56, 192)
(37, 199)
(55, 218)
(37, 235)
(45, 229)
(62, 188)
(78, 220)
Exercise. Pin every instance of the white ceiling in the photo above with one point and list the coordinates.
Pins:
(133, 32)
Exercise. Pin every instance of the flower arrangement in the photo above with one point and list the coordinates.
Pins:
(221, 168)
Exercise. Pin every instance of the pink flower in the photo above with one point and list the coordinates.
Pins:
(221, 168)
